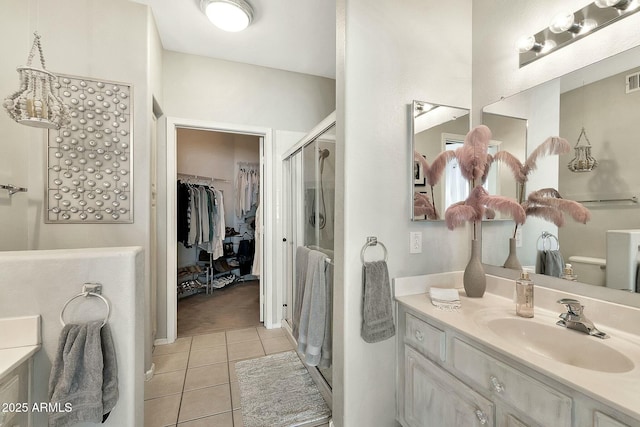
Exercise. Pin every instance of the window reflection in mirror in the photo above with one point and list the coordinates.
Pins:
(435, 128)
(597, 99)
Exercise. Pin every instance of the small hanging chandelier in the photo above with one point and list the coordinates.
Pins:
(583, 160)
(35, 103)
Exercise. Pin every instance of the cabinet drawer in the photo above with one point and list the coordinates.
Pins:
(539, 401)
(428, 340)
(602, 420)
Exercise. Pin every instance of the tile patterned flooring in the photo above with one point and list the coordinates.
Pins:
(195, 384)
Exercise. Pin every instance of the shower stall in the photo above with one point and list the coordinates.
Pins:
(309, 174)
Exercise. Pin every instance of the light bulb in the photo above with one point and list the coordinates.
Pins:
(618, 4)
(526, 43)
(562, 22)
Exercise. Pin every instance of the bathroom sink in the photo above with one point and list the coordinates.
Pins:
(560, 344)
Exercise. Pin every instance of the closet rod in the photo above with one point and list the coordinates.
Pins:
(186, 175)
(247, 164)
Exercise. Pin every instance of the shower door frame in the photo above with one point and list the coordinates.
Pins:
(293, 230)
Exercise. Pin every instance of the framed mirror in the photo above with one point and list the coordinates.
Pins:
(595, 107)
(434, 129)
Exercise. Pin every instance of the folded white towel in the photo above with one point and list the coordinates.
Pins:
(445, 298)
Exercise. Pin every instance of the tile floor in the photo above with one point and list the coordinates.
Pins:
(195, 384)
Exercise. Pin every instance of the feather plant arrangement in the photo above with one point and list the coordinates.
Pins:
(432, 173)
(422, 206)
(475, 162)
(545, 203)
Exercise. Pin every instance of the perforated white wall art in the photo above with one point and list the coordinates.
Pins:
(89, 162)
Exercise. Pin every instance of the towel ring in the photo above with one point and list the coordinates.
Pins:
(372, 241)
(545, 236)
(87, 294)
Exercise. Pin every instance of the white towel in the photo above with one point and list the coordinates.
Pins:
(445, 298)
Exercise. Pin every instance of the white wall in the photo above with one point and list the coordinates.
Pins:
(389, 53)
(17, 140)
(41, 282)
(202, 88)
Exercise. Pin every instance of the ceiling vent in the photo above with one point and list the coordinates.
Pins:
(633, 82)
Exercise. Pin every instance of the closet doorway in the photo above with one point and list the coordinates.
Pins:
(222, 169)
(217, 211)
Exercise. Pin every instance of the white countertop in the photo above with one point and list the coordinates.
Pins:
(19, 340)
(11, 358)
(621, 391)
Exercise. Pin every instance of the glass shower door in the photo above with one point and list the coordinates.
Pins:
(310, 197)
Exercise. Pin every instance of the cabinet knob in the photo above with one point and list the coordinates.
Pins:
(419, 335)
(497, 386)
(482, 417)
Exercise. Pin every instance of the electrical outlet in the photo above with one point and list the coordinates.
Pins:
(519, 238)
(415, 242)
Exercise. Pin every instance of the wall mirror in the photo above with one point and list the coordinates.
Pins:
(596, 106)
(435, 128)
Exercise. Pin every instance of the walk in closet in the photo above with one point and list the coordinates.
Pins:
(218, 207)
(309, 173)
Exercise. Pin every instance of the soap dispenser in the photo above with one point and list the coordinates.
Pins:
(568, 273)
(524, 295)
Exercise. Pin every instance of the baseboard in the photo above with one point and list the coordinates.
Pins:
(149, 374)
(161, 341)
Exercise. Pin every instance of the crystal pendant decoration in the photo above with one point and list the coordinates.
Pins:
(36, 103)
(583, 160)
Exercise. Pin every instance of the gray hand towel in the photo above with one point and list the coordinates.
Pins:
(540, 260)
(554, 263)
(327, 345)
(314, 310)
(302, 261)
(84, 375)
(550, 263)
(377, 310)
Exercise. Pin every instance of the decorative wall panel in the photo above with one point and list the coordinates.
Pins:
(89, 162)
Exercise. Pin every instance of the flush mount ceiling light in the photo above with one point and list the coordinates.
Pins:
(567, 27)
(228, 15)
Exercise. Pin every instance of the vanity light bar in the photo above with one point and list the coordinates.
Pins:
(563, 31)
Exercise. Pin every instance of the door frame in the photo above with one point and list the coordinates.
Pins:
(267, 192)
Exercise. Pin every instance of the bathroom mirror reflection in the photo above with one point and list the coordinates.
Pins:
(436, 128)
(596, 107)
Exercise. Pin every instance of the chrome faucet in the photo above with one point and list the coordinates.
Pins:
(574, 318)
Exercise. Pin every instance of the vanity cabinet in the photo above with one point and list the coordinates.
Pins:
(445, 378)
(15, 396)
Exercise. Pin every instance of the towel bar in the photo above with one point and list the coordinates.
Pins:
(545, 236)
(88, 290)
(372, 241)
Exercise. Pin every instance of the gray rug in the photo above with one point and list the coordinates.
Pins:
(277, 391)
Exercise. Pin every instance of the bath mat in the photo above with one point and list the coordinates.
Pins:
(277, 391)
